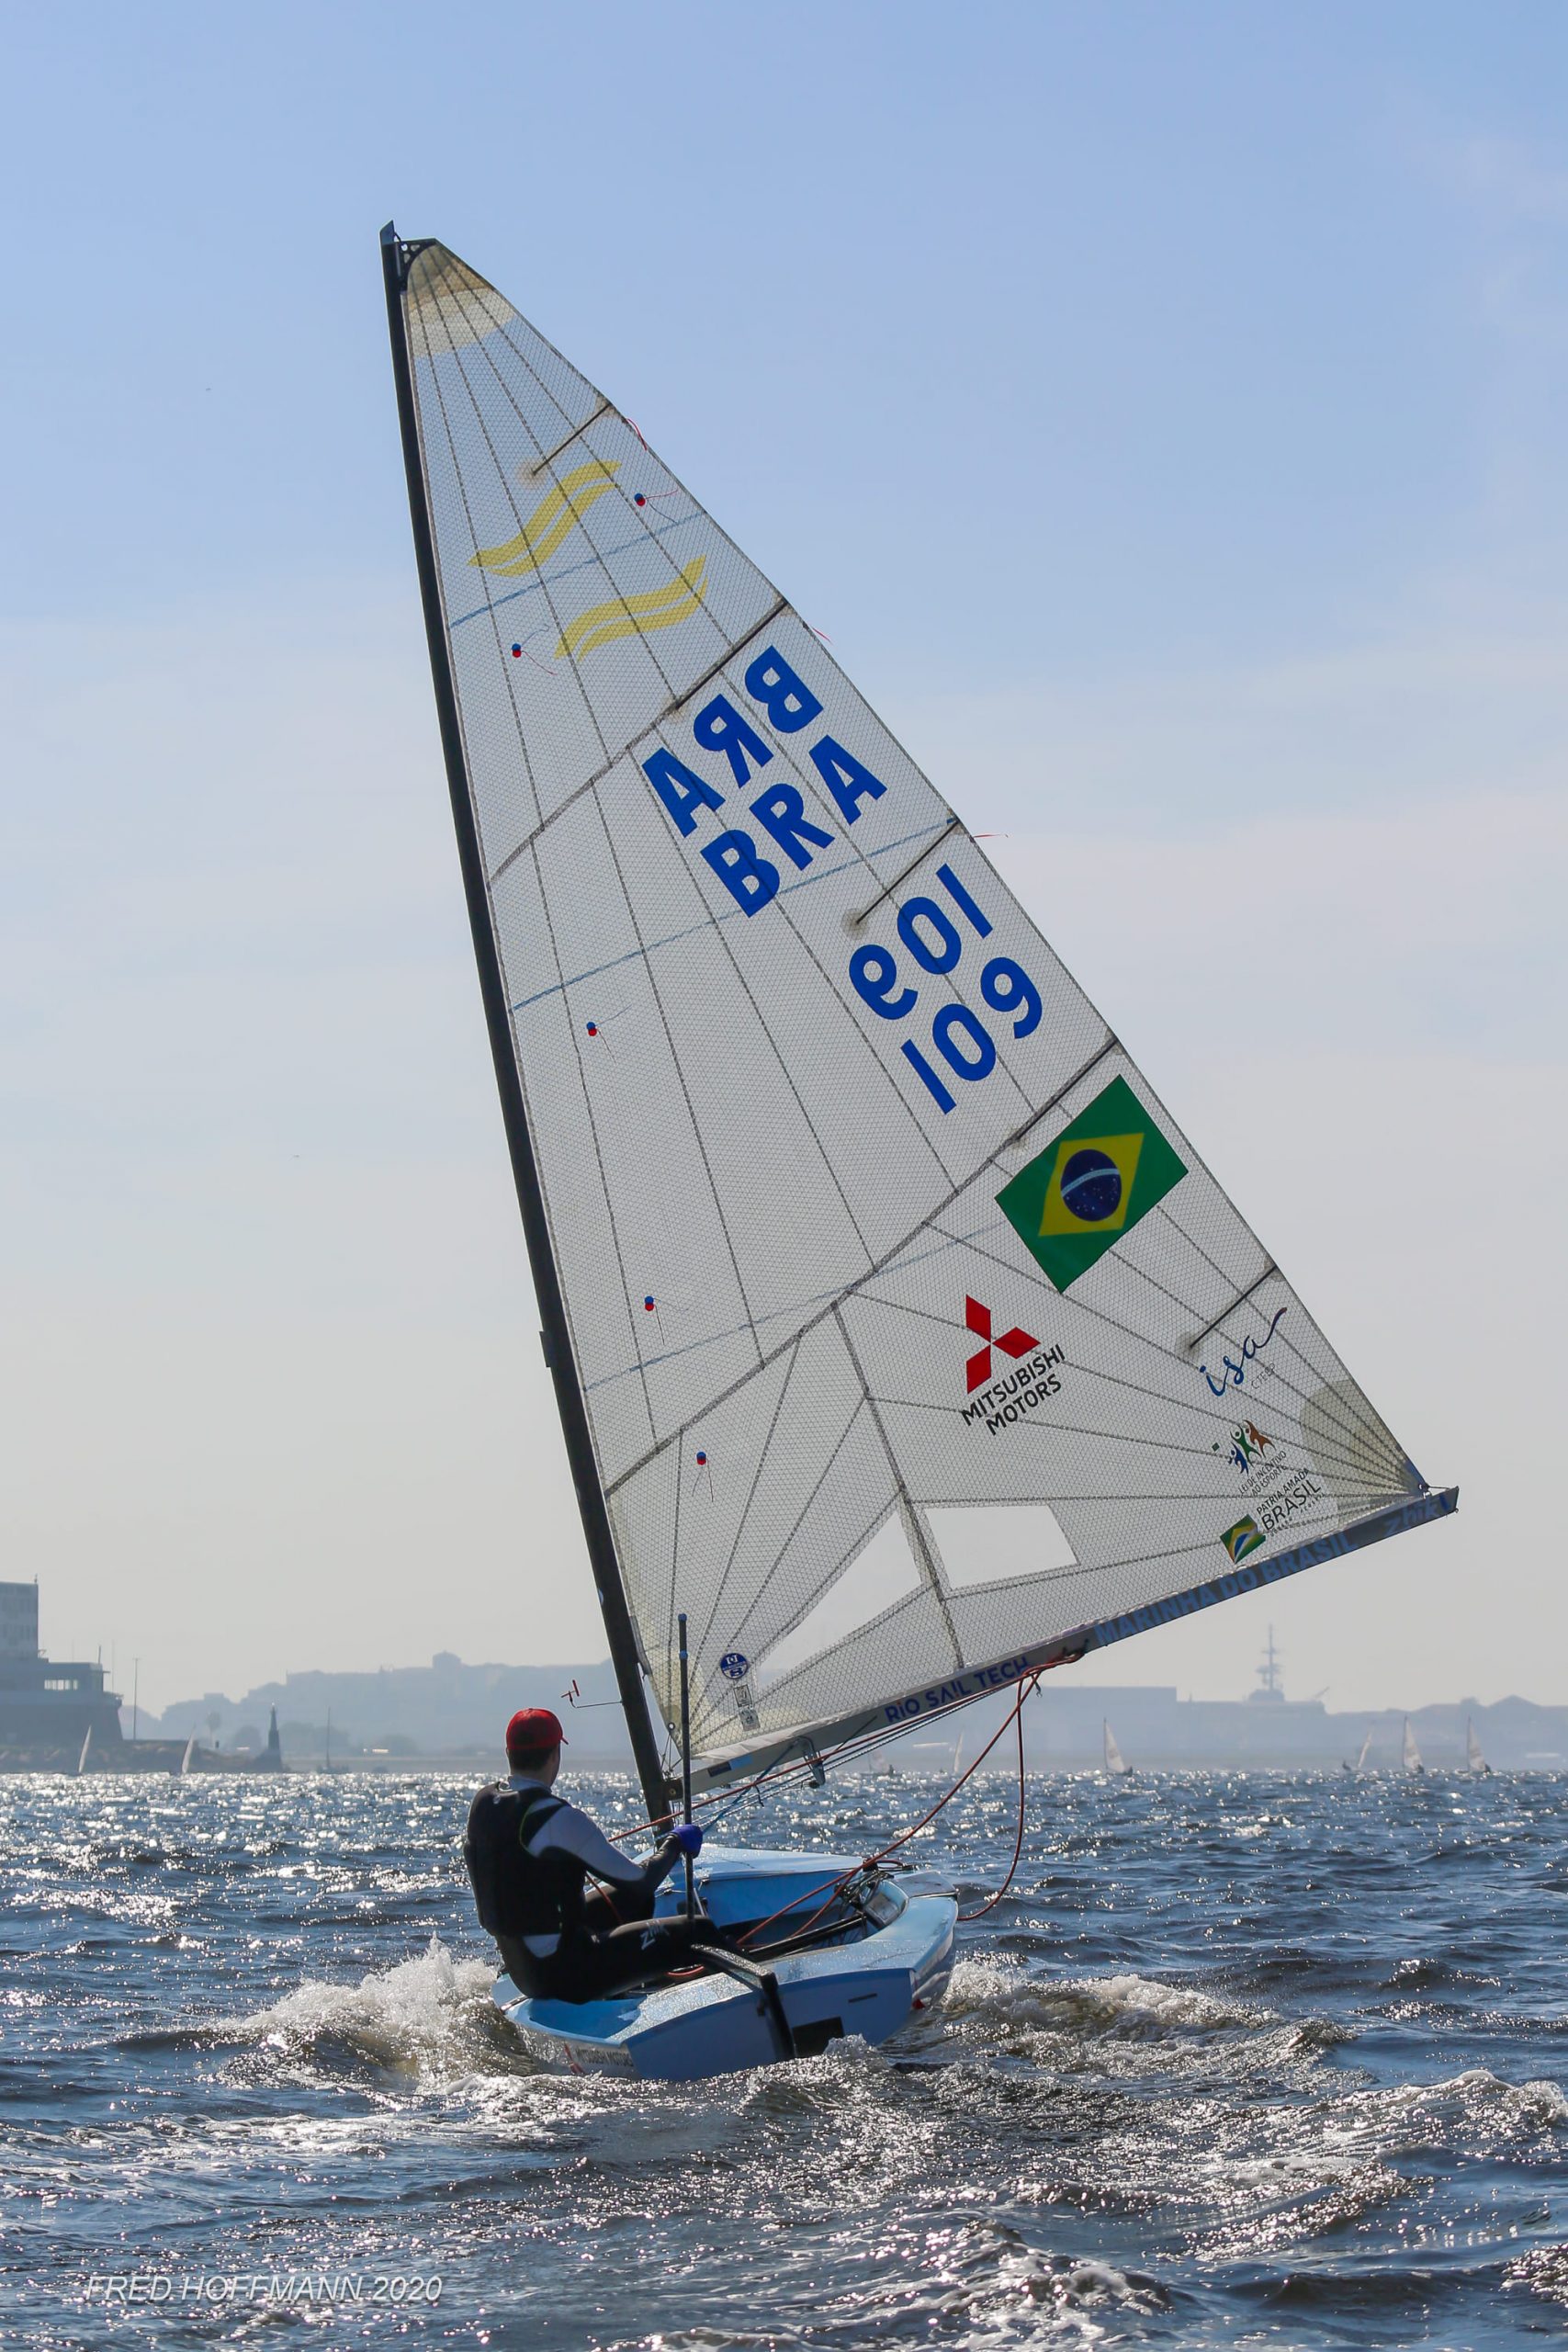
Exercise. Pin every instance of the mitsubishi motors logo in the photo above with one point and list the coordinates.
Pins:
(1013, 1343)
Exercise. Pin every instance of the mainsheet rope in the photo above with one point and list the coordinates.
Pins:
(834, 1887)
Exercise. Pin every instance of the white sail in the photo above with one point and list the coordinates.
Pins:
(917, 1344)
(1411, 1754)
(1116, 1762)
(1475, 1762)
(1361, 1759)
(87, 1744)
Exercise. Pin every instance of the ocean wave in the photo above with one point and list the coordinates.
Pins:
(982, 2286)
(982, 1993)
(430, 2016)
(1544, 2270)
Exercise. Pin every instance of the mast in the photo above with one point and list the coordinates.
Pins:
(555, 1334)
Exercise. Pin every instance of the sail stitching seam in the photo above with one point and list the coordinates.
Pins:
(924, 1223)
(914, 1528)
(518, 517)
(440, 580)
(632, 742)
(750, 1497)
(598, 1156)
(615, 592)
(1129, 1332)
(804, 1510)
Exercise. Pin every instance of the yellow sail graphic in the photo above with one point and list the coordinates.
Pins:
(550, 523)
(634, 616)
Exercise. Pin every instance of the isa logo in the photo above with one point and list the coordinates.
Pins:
(1244, 1537)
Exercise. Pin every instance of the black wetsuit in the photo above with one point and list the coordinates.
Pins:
(530, 1855)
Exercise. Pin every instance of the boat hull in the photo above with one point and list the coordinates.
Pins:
(712, 2024)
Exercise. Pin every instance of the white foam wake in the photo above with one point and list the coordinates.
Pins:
(428, 2016)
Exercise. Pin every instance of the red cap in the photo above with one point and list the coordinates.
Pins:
(532, 1730)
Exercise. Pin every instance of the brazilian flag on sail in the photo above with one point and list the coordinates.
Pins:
(1090, 1186)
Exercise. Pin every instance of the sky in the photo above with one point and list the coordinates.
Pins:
(1162, 413)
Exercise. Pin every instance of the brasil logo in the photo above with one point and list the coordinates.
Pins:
(1244, 1537)
(1090, 1186)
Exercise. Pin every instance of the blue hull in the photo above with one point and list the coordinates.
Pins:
(871, 1986)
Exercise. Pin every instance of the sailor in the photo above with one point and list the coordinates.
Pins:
(529, 1855)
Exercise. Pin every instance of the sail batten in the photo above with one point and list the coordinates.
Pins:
(913, 1338)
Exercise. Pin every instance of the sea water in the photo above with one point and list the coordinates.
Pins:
(1241, 2060)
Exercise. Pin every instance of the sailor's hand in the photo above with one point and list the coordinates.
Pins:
(687, 1838)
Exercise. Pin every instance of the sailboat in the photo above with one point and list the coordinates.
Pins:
(1358, 1770)
(1116, 1762)
(1411, 1754)
(904, 1348)
(1474, 1761)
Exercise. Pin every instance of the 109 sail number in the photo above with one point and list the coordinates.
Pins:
(935, 943)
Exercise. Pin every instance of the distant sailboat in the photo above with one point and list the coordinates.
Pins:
(1475, 1763)
(1413, 1763)
(86, 1742)
(1116, 1763)
(184, 1759)
(1358, 1770)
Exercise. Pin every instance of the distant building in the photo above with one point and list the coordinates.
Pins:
(48, 1710)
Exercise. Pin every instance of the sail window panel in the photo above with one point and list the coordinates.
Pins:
(980, 1545)
(1003, 1621)
(875, 1580)
(800, 1540)
(904, 1639)
(772, 1445)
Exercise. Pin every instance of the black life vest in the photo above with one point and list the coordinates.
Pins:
(517, 1893)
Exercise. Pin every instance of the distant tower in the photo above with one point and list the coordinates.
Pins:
(273, 1745)
(18, 1622)
(1270, 1688)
